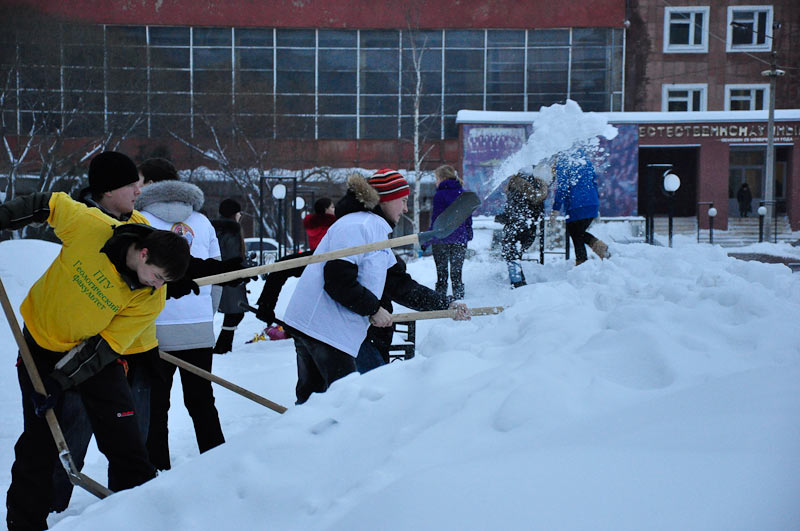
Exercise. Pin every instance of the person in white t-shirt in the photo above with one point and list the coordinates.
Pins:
(185, 328)
(335, 302)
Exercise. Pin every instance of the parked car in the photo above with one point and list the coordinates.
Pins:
(269, 250)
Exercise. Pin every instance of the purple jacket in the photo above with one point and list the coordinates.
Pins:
(446, 193)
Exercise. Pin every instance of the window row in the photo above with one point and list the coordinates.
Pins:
(693, 97)
(749, 29)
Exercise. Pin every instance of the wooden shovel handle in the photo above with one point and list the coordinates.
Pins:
(221, 381)
(441, 314)
(305, 260)
(76, 478)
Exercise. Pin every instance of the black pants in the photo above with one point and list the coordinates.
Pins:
(77, 429)
(109, 406)
(517, 238)
(318, 365)
(449, 255)
(198, 397)
(580, 238)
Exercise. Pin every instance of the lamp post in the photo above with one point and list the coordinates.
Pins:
(279, 192)
(769, 185)
(299, 205)
(671, 184)
(712, 212)
(762, 211)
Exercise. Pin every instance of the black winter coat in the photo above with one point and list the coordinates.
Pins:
(231, 245)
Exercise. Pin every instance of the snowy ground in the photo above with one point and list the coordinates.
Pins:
(659, 389)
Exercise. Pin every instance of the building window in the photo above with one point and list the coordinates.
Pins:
(686, 29)
(746, 97)
(683, 97)
(749, 28)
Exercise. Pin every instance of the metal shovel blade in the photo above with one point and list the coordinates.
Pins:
(452, 217)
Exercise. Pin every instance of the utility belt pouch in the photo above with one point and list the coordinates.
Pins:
(83, 361)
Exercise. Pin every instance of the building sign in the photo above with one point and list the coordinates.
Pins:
(721, 132)
(616, 163)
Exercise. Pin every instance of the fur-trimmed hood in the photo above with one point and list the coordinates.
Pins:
(172, 201)
(360, 197)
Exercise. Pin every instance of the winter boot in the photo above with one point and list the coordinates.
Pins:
(441, 288)
(458, 291)
(600, 248)
(516, 275)
(225, 340)
(579, 261)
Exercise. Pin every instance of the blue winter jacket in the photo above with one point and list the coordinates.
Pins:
(446, 193)
(576, 189)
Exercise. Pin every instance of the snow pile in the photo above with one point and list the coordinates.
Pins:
(659, 389)
(556, 128)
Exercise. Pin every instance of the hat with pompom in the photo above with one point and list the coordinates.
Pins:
(389, 184)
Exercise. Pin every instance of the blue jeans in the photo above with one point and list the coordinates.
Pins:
(369, 357)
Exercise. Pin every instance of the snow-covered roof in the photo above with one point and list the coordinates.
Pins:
(507, 117)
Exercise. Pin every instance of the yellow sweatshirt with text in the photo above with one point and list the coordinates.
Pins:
(82, 294)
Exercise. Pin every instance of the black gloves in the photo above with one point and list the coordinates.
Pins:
(266, 314)
(181, 287)
(41, 403)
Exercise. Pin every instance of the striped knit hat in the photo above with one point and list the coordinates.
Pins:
(389, 184)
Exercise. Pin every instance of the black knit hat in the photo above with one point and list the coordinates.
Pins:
(111, 170)
(228, 208)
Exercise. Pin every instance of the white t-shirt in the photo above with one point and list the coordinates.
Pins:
(312, 311)
(202, 238)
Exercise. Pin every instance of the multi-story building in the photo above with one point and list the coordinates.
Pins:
(696, 98)
(317, 82)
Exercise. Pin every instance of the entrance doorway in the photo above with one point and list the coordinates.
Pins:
(651, 189)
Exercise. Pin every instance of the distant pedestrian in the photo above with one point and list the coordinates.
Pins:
(449, 252)
(745, 197)
(231, 245)
(316, 223)
(576, 193)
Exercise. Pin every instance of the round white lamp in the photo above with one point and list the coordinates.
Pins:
(279, 191)
(671, 183)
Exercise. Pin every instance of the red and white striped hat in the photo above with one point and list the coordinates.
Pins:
(389, 184)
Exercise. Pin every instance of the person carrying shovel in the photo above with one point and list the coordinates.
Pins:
(103, 290)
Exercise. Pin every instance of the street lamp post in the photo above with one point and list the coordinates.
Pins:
(671, 184)
(299, 205)
(279, 193)
(762, 211)
(769, 186)
(712, 213)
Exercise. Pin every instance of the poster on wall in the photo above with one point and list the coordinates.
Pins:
(616, 163)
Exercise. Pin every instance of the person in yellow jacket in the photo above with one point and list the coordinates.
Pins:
(103, 290)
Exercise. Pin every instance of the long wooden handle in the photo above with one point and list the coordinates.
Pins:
(305, 260)
(441, 314)
(75, 476)
(221, 381)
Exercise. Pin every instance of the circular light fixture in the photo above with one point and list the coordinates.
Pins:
(299, 203)
(279, 191)
(671, 182)
(762, 210)
(712, 212)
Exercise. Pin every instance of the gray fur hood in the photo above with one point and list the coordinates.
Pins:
(172, 201)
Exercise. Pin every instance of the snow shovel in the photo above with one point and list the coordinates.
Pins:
(440, 314)
(75, 476)
(445, 224)
(221, 381)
